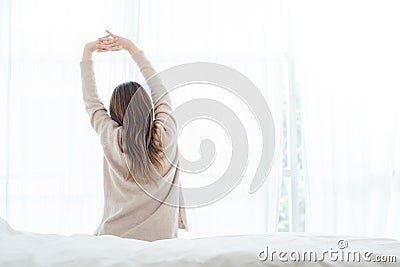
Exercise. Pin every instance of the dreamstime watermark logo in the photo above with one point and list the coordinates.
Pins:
(241, 87)
(342, 244)
(341, 254)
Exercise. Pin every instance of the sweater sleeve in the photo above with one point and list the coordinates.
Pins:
(159, 94)
(99, 118)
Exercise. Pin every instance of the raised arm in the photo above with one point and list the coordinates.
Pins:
(99, 118)
(159, 95)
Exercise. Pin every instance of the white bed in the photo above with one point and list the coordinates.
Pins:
(30, 249)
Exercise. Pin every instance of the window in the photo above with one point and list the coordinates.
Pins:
(292, 199)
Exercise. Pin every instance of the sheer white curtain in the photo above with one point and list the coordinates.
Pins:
(50, 159)
(50, 172)
(347, 65)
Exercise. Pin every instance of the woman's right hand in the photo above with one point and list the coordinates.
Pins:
(112, 42)
(89, 49)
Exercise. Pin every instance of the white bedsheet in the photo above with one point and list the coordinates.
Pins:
(30, 249)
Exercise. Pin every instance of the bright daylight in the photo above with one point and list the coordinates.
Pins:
(199, 133)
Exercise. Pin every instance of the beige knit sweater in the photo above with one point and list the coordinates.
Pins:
(128, 211)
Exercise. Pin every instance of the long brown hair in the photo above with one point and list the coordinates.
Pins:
(131, 108)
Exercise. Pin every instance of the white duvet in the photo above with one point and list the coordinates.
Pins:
(29, 249)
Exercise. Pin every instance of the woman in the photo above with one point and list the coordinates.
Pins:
(140, 150)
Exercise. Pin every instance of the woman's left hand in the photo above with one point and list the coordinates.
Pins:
(92, 47)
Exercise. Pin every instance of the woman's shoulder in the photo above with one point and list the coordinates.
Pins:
(112, 143)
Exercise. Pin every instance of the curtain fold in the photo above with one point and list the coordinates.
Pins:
(346, 69)
(5, 70)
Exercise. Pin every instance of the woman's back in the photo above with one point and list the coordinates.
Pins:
(150, 211)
